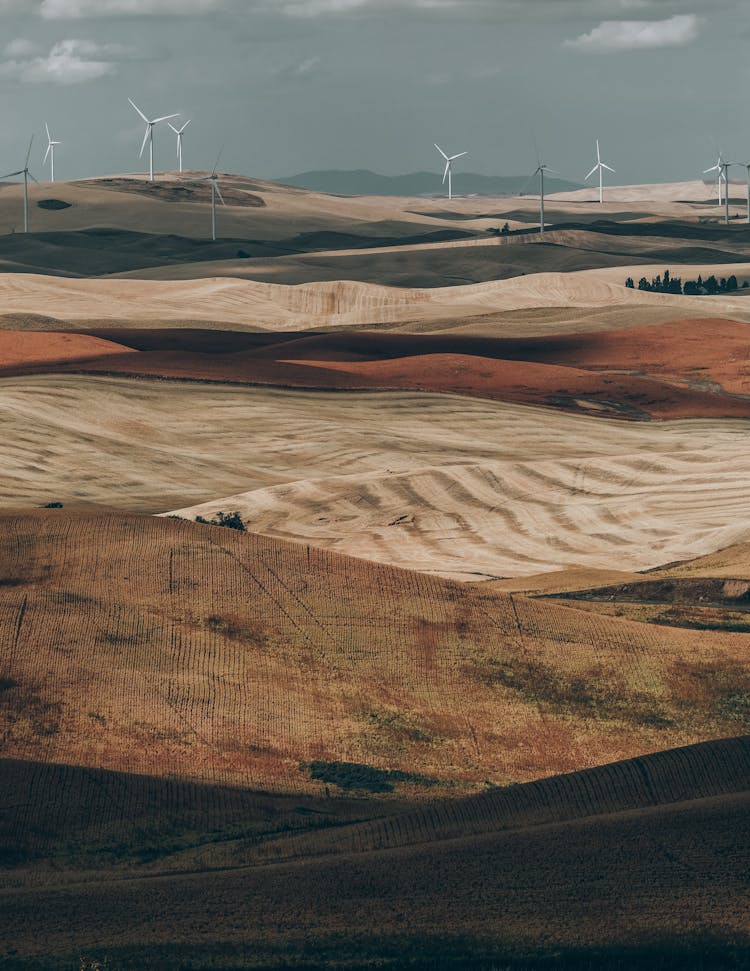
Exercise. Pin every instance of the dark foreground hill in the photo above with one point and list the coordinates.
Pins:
(641, 864)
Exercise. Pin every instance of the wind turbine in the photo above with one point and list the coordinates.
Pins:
(178, 132)
(600, 166)
(720, 173)
(149, 136)
(448, 174)
(50, 153)
(213, 178)
(26, 176)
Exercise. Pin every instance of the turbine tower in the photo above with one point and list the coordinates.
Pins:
(178, 132)
(725, 175)
(50, 153)
(448, 174)
(600, 167)
(720, 173)
(213, 178)
(149, 136)
(541, 168)
(747, 168)
(26, 176)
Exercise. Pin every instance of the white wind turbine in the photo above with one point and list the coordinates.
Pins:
(448, 174)
(720, 173)
(600, 166)
(213, 178)
(178, 132)
(26, 176)
(149, 136)
(50, 153)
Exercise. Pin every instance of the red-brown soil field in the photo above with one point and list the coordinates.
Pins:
(682, 369)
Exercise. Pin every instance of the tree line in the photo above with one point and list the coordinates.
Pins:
(690, 288)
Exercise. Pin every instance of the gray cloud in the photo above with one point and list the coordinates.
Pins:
(629, 35)
(68, 62)
(21, 47)
(78, 9)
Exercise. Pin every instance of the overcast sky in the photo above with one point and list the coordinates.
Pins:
(292, 85)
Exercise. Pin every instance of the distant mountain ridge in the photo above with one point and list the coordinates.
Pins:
(363, 182)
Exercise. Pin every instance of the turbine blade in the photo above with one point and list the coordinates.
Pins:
(447, 170)
(714, 168)
(218, 159)
(49, 137)
(145, 140)
(10, 175)
(138, 110)
(592, 171)
(28, 154)
(440, 150)
(32, 177)
(164, 118)
(218, 193)
(608, 168)
(185, 125)
(460, 155)
(173, 128)
(46, 154)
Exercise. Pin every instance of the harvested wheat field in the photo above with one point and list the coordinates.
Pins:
(448, 485)
(253, 305)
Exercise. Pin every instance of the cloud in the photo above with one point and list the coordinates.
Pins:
(78, 9)
(68, 62)
(631, 35)
(299, 69)
(317, 8)
(20, 47)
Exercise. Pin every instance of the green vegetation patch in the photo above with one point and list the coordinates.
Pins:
(232, 520)
(724, 688)
(354, 776)
(584, 695)
(402, 725)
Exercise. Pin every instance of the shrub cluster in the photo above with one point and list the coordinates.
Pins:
(232, 520)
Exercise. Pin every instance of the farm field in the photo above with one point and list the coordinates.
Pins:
(206, 704)
(472, 687)
(171, 643)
